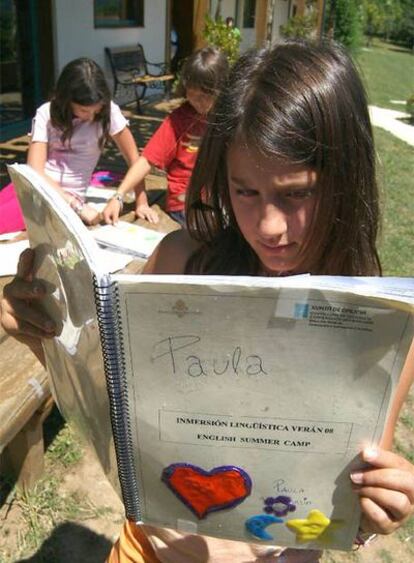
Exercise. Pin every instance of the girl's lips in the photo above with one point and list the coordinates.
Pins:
(278, 249)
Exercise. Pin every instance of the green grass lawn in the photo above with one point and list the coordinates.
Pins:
(395, 175)
(388, 74)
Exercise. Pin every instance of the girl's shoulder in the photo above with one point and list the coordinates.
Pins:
(44, 110)
(114, 107)
(172, 254)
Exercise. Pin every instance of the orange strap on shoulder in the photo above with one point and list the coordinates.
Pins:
(132, 546)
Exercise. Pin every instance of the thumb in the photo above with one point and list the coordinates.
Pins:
(25, 265)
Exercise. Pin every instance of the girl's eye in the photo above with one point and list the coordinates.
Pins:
(300, 194)
(246, 192)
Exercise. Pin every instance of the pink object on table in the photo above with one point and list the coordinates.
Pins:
(11, 216)
(104, 178)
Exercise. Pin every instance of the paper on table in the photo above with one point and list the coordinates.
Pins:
(128, 238)
(9, 256)
(10, 236)
(115, 260)
(98, 197)
(10, 252)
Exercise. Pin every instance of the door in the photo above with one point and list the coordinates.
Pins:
(182, 16)
(27, 66)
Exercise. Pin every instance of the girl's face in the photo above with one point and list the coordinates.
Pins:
(200, 100)
(86, 113)
(273, 203)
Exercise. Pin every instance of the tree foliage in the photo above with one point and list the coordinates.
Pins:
(345, 22)
(227, 39)
(390, 19)
(300, 26)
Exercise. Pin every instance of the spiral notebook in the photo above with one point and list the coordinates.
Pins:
(231, 407)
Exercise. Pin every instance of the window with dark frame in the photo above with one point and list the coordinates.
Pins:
(249, 13)
(119, 13)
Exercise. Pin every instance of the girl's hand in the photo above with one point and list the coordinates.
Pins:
(145, 212)
(19, 315)
(89, 215)
(386, 491)
(111, 211)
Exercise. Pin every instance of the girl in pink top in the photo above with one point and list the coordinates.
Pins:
(70, 131)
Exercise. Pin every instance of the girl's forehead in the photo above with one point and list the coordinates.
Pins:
(90, 106)
(249, 160)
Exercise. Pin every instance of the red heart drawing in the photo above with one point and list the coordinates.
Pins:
(207, 491)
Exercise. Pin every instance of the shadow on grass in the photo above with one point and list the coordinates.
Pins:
(398, 49)
(70, 542)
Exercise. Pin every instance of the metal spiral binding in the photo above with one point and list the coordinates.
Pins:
(107, 301)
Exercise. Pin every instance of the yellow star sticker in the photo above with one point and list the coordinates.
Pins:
(309, 528)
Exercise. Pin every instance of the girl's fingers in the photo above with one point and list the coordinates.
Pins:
(390, 479)
(395, 503)
(388, 470)
(26, 331)
(375, 518)
(148, 214)
(386, 490)
(378, 457)
(21, 289)
(110, 213)
(25, 264)
(154, 216)
(20, 318)
(141, 214)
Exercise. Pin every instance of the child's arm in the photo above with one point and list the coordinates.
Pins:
(133, 179)
(127, 147)
(386, 489)
(36, 158)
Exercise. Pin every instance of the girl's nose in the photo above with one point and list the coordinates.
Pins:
(273, 221)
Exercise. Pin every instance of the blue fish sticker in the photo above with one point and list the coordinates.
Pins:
(256, 525)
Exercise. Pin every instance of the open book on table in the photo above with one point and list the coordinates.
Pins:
(232, 407)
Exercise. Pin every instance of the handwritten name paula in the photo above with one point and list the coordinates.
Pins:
(179, 352)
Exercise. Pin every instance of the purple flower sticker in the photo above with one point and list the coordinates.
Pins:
(279, 506)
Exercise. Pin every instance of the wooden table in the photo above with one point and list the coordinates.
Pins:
(25, 397)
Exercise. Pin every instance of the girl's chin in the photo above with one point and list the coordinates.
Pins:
(280, 267)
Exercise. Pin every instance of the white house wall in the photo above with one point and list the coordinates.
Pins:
(280, 17)
(228, 8)
(75, 35)
(235, 8)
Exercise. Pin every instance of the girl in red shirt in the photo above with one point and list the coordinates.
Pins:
(174, 146)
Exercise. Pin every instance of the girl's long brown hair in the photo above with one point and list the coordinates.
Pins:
(82, 82)
(298, 102)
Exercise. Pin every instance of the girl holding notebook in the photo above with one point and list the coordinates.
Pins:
(284, 184)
